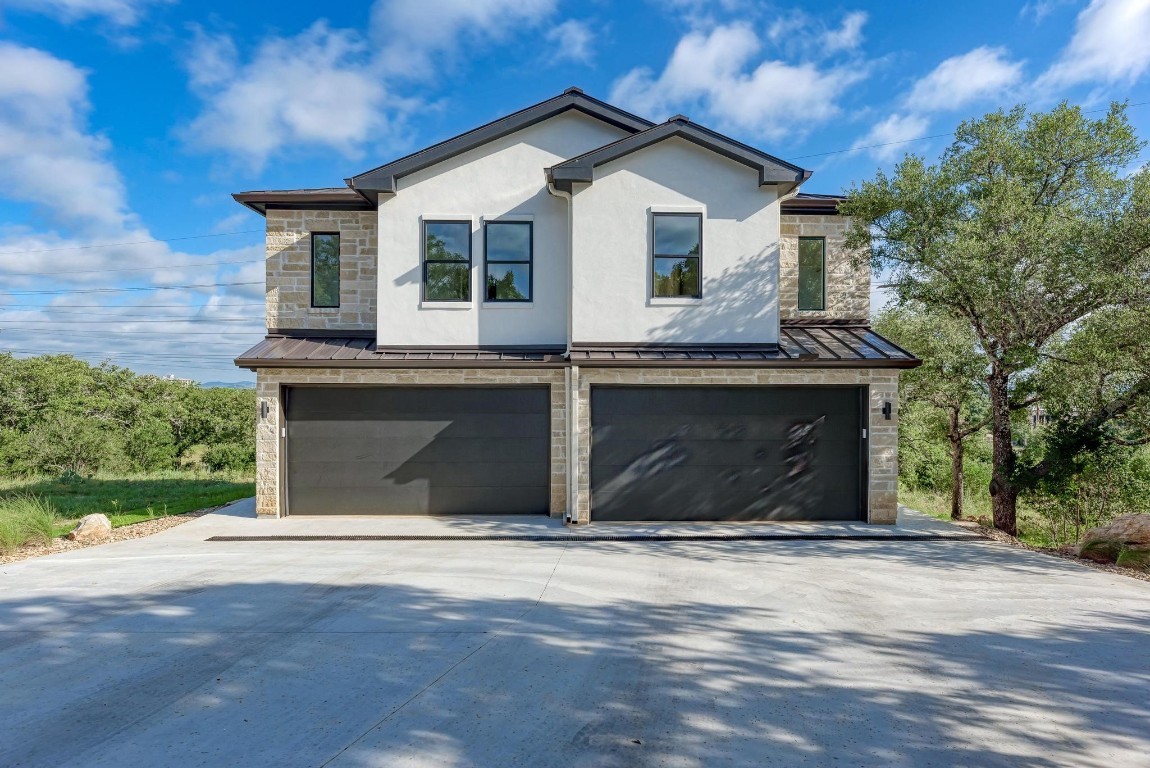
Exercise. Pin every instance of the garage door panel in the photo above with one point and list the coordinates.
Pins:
(727, 427)
(734, 401)
(461, 450)
(609, 452)
(726, 453)
(418, 450)
(416, 500)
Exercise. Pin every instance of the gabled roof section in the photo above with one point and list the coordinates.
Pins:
(772, 170)
(382, 180)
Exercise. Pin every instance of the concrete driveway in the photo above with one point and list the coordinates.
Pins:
(172, 650)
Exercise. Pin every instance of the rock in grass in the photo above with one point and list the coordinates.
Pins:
(92, 528)
(1127, 538)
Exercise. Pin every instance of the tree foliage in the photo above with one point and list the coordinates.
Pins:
(1027, 226)
(61, 415)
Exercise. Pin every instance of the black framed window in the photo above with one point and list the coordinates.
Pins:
(812, 273)
(508, 250)
(677, 253)
(325, 269)
(447, 261)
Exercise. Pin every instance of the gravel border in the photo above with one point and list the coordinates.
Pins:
(1004, 538)
(123, 533)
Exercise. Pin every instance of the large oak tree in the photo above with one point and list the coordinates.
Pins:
(1026, 226)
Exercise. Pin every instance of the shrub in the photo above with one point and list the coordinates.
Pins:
(25, 518)
(150, 447)
(230, 456)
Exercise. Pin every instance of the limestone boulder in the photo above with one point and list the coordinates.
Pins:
(92, 528)
(1125, 541)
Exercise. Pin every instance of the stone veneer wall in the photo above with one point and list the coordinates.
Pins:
(883, 436)
(289, 269)
(848, 287)
(268, 381)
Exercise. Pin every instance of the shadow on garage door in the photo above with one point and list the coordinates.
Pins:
(727, 453)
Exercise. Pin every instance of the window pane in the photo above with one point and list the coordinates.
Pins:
(447, 240)
(676, 277)
(448, 282)
(677, 235)
(812, 264)
(508, 282)
(509, 241)
(325, 270)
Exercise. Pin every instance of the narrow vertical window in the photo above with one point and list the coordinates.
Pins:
(812, 273)
(447, 261)
(508, 254)
(325, 269)
(677, 247)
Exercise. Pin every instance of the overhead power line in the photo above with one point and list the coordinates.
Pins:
(130, 269)
(119, 290)
(134, 242)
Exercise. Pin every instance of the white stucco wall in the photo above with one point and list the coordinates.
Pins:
(504, 178)
(612, 250)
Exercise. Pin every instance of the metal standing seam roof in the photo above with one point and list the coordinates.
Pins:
(800, 345)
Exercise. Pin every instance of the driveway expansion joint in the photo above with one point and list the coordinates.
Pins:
(599, 537)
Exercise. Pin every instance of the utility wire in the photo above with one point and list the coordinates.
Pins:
(129, 269)
(134, 242)
(118, 290)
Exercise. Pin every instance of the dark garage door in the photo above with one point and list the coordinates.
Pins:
(726, 453)
(417, 450)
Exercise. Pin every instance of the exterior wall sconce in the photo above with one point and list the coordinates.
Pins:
(264, 409)
(886, 410)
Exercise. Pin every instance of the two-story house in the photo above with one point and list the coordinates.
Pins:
(572, 311)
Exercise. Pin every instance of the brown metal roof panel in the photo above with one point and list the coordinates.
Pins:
(351, 348)
(827, 338)
(258, 350)
(858, 344)
(792, 347)
(804, 337)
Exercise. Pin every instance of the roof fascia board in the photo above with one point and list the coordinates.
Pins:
(382, 180)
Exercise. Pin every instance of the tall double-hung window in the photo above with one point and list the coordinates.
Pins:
(447, 261)
(677, 253)
(508, 246)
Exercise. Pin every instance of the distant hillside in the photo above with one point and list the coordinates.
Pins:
(229, 384)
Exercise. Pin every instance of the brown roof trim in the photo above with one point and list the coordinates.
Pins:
(811, 204)
(328, 199)
(322, 333)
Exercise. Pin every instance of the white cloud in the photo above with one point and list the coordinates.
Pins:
(51, 160)
(124, 13)
(335, 88)
(885, 140)
(571, 41)
(416, 36)
(982, 73)
(319, 88)
(1111, 43)
(848, 36)
(47, 155)
(719, 72)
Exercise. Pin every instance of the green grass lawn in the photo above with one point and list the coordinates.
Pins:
(127, 498)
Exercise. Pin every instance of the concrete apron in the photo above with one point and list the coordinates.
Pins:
(238, 522)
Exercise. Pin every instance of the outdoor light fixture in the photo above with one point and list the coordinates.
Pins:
(886, 410)
(264, 409)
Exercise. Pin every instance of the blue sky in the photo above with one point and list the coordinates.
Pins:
(125, 124)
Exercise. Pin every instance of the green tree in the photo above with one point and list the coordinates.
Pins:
(1026, 226)
(952, 378)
